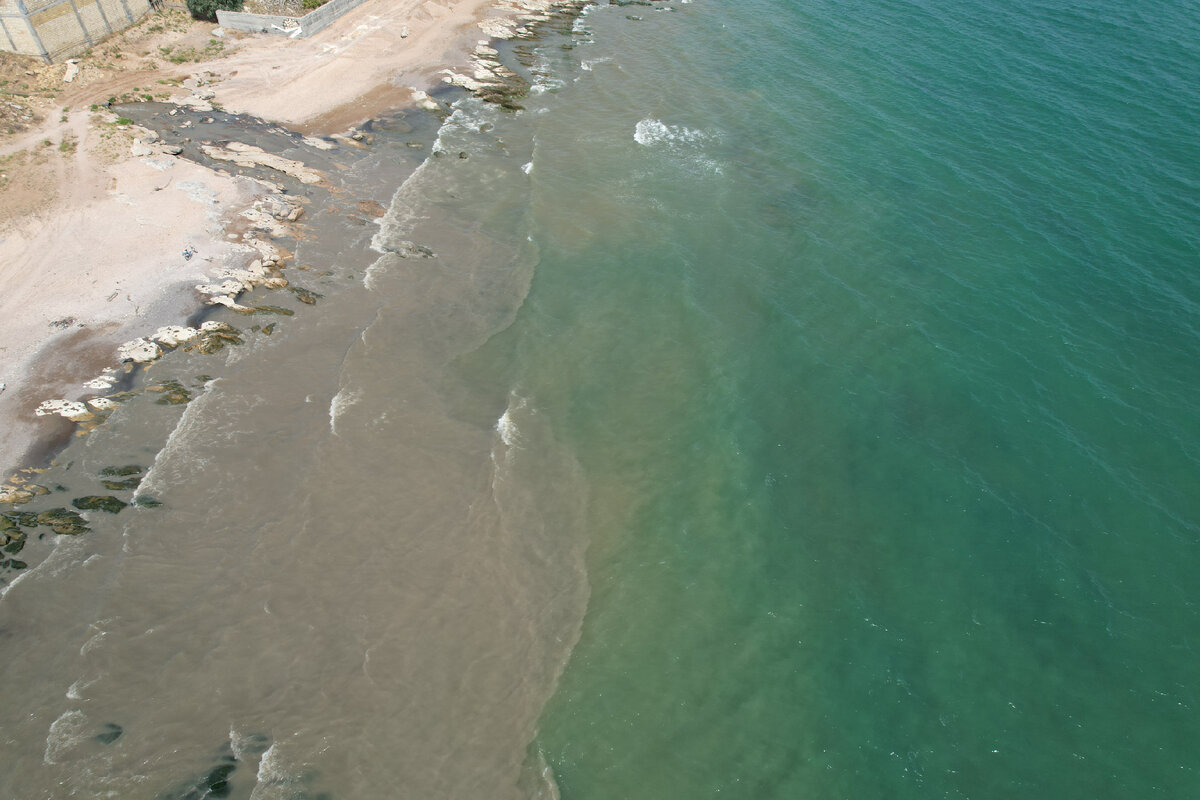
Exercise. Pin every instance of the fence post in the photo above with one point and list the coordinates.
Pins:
(103, 16)
(33, 31)
(82, 27)
(7, 35)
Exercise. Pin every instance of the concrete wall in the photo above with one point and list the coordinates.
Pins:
(310, 23)
(58, 29)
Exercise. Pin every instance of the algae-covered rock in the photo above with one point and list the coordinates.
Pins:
(145, 501)
(269, 329)
(6, 525)
(306, 296)
(118, 486)
(173, 393)
(26, 519)
(252, 310)
(13, 563)
(22, 493)
(63, 521)
(213, 337)
(13, 541)
(94, 502)
(129, 469)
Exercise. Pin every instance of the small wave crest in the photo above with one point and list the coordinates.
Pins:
(649, 132)
(338, 405)
(174, 461)
(505, 426)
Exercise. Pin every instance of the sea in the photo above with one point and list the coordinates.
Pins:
(793, 399)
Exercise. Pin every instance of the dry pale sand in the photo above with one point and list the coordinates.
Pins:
(92, 255)
(353, 69)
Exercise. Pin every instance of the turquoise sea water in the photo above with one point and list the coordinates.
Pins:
(873, 326)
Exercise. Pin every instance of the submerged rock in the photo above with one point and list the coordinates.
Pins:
(95, 502)
(305, 296)
(110, 734)
(265, 309)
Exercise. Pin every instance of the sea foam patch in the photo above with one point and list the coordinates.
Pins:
(649, 132)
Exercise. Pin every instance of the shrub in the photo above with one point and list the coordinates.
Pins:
(207, 9)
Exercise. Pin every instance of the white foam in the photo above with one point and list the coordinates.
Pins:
(338, 405)
(77, 687)
(273, 781)
(527, 167)
(505, 426)
(65, 733)
(649, 132)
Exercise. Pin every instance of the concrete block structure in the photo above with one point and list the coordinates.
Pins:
(315, 20)
(58, 29)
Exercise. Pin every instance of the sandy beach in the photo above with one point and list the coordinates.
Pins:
(104, 232)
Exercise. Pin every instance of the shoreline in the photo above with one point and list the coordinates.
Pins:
(132, 235)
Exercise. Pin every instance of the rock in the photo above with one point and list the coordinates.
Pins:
(173, 393)
(213, 337)
(170, 149)
(63, 521)
(98, 503)
(144, 501)
(247, 155)
(71, 409)
(406, 249)
(13, 540)
(129, 469)
(139, 351)
(305, 295)
(72, 70)
(103, 403)
(174, 335)
(117, 486)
